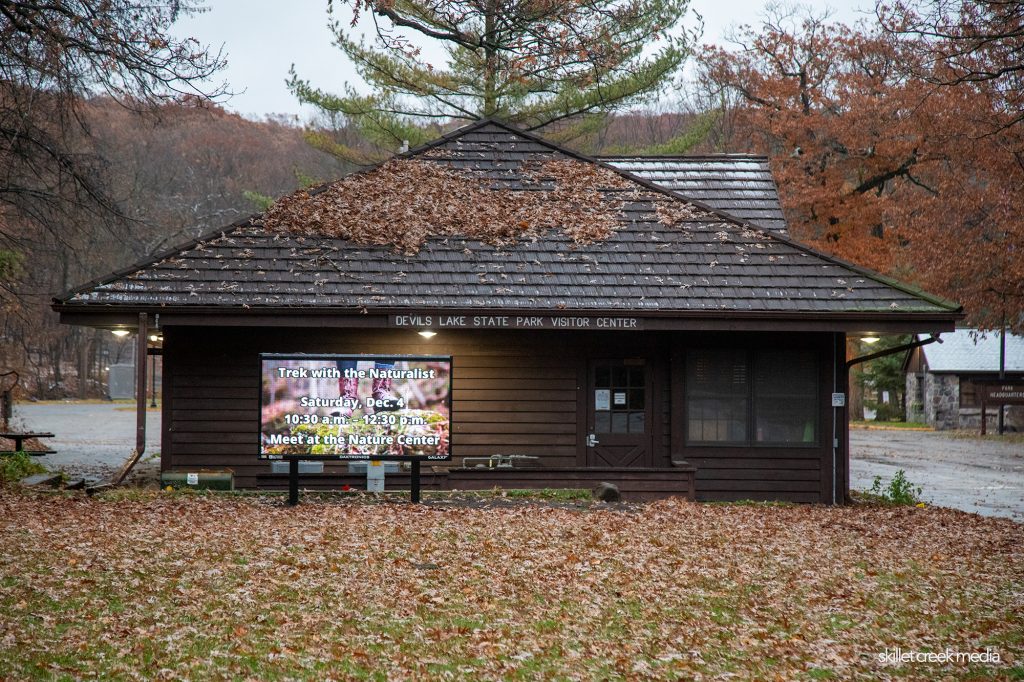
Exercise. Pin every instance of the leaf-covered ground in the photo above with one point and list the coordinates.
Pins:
(159, 585)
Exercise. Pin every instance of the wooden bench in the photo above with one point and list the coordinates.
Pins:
(19, 443)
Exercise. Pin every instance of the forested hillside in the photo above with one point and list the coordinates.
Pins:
(172, 174)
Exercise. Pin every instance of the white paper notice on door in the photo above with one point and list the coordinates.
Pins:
(620, 398)
(602, 399)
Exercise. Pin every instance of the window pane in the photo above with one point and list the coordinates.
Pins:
(602, 422)
(636, 422)
(968, 393)
(636, 377)
(719, 421)
(717, 373)
(717, 396)
(785, 373)
(786, 397)
(618, 376)
(792, 421)
(602, 376)
(619, 424)
(636, 398)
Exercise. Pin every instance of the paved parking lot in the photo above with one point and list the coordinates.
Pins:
(92, 439)
(975, 475)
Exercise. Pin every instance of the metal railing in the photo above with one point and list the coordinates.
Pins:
(497, 461)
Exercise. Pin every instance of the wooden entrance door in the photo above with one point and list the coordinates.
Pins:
(619, 414)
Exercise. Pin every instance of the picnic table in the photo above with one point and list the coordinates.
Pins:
(19, 443)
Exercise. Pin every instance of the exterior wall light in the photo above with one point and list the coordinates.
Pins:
(120, 332)
(870, 339)
(427, 334)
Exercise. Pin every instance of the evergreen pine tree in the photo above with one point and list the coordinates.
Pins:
(529, 62)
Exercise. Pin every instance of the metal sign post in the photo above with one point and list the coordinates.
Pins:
(414, 484)
(1002, 369)
(293, 481)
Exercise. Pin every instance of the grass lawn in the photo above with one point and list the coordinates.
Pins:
(909, 426)
(173, 585)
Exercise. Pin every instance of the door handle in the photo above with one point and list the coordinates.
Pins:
(591, 440)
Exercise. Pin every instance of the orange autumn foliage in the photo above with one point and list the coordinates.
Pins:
(882, 159)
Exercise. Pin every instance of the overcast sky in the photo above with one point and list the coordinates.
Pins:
(263, 38)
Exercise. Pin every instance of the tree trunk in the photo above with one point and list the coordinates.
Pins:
(490, 62)
(83, 365)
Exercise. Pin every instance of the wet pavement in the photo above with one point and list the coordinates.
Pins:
(92, 440)
(975, 475)
(971, 474)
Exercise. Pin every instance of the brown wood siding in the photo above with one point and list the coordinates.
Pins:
(637, 484)
(394, 482)
(513, 393)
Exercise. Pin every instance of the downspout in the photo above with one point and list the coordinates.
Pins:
(835, 413)
(141, 358)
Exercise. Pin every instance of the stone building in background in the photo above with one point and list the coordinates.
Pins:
(943, 378)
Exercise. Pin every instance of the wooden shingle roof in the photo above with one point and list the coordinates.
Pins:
(738, 184)
(712, 264)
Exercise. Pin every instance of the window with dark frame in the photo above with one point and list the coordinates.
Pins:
(785, 397)
(625, 388)
(742, 397)
(717, 396)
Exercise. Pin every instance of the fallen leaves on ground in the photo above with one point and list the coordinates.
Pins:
(218, 586)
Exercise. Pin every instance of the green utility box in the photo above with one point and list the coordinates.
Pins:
(199, 480)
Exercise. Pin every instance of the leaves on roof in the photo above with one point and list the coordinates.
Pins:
(406, 201)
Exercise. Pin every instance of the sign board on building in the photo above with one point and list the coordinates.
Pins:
(1006, 393)
(355, 407)
(566, 322)
(996, 394)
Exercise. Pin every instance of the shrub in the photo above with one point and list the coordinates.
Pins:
(17, 466)
(899, 490)
(885, 412)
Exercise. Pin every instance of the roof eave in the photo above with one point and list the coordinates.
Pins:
(903, 321)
